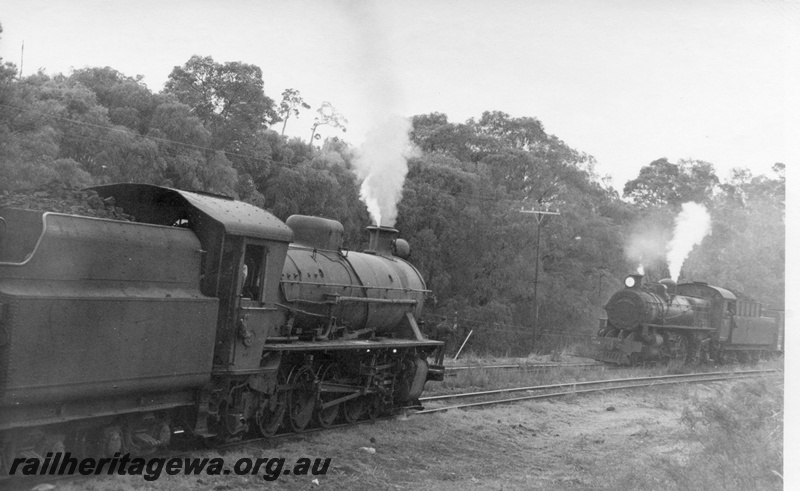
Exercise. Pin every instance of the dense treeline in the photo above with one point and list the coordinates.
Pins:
(211, 129)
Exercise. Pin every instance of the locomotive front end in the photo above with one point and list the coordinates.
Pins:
(630, 308)
(648, 322)
(357, 313)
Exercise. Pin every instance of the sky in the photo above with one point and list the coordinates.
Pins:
(626, 81)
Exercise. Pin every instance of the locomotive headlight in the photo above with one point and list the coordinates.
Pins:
(630, 281)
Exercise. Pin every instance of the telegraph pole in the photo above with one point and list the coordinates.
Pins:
(540, 216)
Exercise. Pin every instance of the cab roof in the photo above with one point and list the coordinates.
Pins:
(166, 206)
(683, 288)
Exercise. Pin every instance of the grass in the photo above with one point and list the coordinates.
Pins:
(733, 440)
(741, 436)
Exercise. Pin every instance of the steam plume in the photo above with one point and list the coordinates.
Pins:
(381, 160)
(382, 165)
(691, 226)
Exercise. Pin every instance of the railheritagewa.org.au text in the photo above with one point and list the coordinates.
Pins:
(63, 464)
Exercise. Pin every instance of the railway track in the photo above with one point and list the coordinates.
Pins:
(523, 366)
(550, 391)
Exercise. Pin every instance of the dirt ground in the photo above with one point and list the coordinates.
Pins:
(615, 440)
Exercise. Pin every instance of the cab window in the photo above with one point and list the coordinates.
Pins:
(253, 272)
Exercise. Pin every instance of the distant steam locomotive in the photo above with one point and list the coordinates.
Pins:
(691, 322)
(203, 316)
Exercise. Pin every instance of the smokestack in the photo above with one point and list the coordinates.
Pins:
(381, 240)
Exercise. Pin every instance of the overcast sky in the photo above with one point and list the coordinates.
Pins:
(626, 81)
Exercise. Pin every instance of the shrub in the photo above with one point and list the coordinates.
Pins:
(740, 435)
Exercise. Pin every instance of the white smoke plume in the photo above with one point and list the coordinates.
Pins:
(381, 160)
(382, 165)
(691, 226)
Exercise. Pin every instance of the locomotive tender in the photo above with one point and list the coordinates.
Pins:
(202, 317)
(691, 322)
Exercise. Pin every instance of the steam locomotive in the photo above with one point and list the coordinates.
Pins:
(203, 316)
(691, 322)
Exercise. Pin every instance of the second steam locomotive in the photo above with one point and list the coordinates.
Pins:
(691, 322)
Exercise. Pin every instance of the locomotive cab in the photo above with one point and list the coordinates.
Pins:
(244, 248)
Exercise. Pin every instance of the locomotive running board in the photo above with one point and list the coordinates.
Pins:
(380, 343)
(682, 328)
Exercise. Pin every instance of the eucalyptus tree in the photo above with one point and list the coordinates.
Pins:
(663, 183)
(229, 99)
(327, 115)
(291, 103)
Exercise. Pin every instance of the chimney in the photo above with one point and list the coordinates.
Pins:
(381, 240)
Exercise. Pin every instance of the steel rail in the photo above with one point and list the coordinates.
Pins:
(522, 366)
(645, 382)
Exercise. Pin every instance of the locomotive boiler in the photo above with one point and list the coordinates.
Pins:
(691, 322)
(206, 316)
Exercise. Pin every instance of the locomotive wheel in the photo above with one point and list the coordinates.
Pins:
(375, 407)
(703, 355)
(696, 354)
(230, 424)
(270, 420)
(302, 398)
(326, 417)
(80, 444)
(679, 348)
(145, 437)
(665, 350)
(112, 441)
(353, 409)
